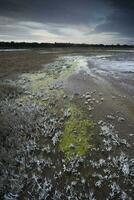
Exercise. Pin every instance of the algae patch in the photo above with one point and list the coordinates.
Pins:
(52, 76)
(39, 82)
(76, 137)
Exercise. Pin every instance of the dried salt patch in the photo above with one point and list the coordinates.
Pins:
(73, 183)
(46, 149)
(87, 93)
(100, 122)
(89, 100)
(31, 145)
(115, 189)
(65, 96)
(11, 196)
(97, 101)
(68, 188)
(87, 96)
(108, 145)
(102, 162)
(123, 141)
(124, 196)
(90, 108)
(67, 113)
(98, 164)
(131, 166)
(64, 67)
(35, 178)
(110, 117)
(131, 134)
(121, 119)
(102, 99)
(113, 97)
(55, 139)
(99, 176)
(83, 181)
(98, 183)
(125, 168)
(45, 190)
(72, 146)
(106, 129)
(91, 196)
(124, 164)
(100, 94)
(111, 138)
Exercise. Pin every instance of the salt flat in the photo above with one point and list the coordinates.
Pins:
(66, 124)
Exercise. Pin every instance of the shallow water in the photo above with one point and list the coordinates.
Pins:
(116, 66)
(12, 50)
(113, 63)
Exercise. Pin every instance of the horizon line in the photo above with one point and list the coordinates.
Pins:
(65, 43)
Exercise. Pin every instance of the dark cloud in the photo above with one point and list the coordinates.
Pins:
(121, 4)
(55, 16)
(121, 19)
(56, 11)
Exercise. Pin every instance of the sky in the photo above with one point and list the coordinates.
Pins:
(75, 21)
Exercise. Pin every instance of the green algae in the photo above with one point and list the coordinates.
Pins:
(43, 80)
(41, 84)
(68, 70)
(76, 137)
(78, 130)
(24, 99)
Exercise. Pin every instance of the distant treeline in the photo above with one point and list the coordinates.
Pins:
(17, 45)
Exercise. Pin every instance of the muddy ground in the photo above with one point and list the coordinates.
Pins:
(66, 124)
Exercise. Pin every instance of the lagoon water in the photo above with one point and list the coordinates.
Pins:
(112, 63)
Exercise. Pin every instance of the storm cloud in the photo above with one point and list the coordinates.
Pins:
(80, 21)
(121, 18)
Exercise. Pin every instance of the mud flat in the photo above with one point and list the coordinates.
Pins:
(66, 123)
